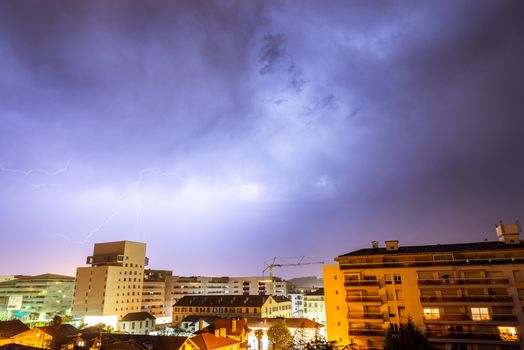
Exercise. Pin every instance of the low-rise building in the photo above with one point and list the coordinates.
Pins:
(463, 296)
(232, 306)
(36, 298)
(138, 323)
(45, 337)
(11, 328)
(232, 328)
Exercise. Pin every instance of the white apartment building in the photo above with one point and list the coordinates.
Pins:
(111, 287)
(156, 295)
(182, 286)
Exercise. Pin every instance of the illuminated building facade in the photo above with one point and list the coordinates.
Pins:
(112, 286)
(36, 298)
(314, 306)
(232, 306)
(156, 296)
(201, 285)
(466, 296)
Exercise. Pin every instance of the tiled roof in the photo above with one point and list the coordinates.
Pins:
(138, 316)
(223, 300)
(10, 328)
(280, 298)
(208, 341)
(18, 347)
(438, 248)
(290, 322)
(64, 330)
(149, 341)
(226, 323)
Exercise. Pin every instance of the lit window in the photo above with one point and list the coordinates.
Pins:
(508, 333)
(431, 314)
(480, 314)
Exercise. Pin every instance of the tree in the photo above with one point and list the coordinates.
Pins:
(407, 337)
(279, 336)
(321, 344)
(54, 330)
(259, 334)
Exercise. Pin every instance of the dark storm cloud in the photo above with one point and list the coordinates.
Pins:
(236, 122)
(273, 50)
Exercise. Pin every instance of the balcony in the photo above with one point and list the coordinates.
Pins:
(462, 281)
(367, 332)
(366, 316)
(468, 335)
(362, 283)
(467, 299)
(463, 317)
(107, 259)
(364, 299)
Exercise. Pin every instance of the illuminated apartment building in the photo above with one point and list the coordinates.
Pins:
(467, 296)
(112, 286)
(36, 298)
(156, 297)
(201, 285)
(314, 306)
(232, 306)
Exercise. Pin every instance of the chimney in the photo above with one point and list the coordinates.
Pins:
(391, 245)
(374, 244)
(200, 324)
(508, 233)
(222, 332)
(217, 332)
(234, 325)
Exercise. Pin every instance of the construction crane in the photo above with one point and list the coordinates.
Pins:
(271, 264)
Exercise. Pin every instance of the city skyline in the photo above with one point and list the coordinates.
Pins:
(222, 135)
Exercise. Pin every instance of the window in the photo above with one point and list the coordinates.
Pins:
(431, 314)
(401, 311)
(480, 314)
(398, 279)
(508, 333)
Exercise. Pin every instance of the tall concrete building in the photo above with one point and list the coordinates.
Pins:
(467, 296)
(112, 286)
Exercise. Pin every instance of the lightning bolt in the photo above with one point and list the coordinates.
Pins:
(136, 187)
(26, 173)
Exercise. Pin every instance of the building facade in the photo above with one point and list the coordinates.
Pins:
(232, 306)
(156, 295)
(182, 286)
(314, 306)
(138, 323)
(112, 286)
(466, 296)
(36, 298)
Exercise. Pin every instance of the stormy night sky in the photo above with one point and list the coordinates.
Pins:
(224, 133)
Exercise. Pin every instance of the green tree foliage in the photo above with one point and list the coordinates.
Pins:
(321, 344)
(279, 336)
(407, 337)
